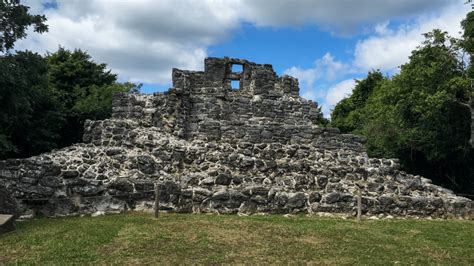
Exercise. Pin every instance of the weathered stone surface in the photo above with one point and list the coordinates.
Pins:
(7, 223)
(8, 204)
(213, 149)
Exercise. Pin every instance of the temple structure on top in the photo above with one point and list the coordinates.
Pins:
(254, 79)
(203, 105)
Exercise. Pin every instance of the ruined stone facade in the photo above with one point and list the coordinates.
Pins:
(211, 148)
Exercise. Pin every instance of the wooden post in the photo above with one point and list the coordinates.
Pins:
(157, 200)
(359, 204)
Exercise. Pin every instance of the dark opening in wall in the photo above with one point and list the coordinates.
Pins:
(237, 68)
(235, 84)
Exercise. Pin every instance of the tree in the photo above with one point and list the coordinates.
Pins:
(30, 116)
(418, 115)
(347, 114)
(44, 101)
(14, 21)
(84, 88)
(96, 102)
(467, 43)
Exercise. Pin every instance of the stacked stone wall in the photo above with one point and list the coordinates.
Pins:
(209, 148)
(210, 176)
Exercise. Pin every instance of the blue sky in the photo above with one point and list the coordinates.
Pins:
(281, 47)
(325, 44)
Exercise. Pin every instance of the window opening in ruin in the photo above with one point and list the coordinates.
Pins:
(236, 68)
(235, 84)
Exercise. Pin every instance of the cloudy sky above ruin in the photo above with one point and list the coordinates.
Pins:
(326, 44)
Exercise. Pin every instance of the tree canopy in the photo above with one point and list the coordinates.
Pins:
(15, 20)
(30, 114)
(44, 101)
(347, 114)
(84, 88)
(418, 115)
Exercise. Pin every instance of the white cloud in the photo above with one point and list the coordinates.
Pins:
(142, 40)
(343, 16)
(315, 80)
(388, 49)
(306, 77)
(330, 67)
(383, 29)
(326, 68)
(339, 91)
(313, 95)
(335, 94)
(322, 72)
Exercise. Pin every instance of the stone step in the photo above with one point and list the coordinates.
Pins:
(7, 223)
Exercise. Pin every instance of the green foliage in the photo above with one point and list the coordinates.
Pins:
(44, 101)
(467, 41)
(347, 113)
(14, 21)
(417, 116)
(84, 88)
(31, 116)
(97, 103)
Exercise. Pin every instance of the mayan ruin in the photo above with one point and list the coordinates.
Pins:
(212, 148)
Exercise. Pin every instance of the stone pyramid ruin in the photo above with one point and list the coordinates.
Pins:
(211, 148)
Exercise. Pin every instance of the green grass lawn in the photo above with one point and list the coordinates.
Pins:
(136, 238)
